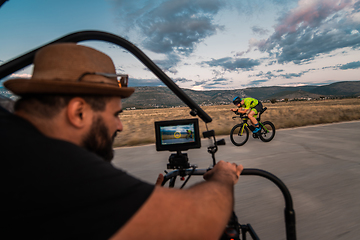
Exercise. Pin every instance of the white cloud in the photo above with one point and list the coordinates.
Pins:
(197, 88)
(22, 75)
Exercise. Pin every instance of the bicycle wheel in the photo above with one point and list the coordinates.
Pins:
(239, 134)
(267, 132)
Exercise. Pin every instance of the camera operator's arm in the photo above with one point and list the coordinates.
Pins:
(200, 212)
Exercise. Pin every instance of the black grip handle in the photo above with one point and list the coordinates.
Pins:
(289, 210)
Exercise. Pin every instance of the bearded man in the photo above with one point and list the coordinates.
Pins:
(57, 181)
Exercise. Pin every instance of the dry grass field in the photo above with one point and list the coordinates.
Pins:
(139, 124)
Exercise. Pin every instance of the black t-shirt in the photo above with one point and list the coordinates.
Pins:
(53, 189)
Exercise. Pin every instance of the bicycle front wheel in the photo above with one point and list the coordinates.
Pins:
(267, 131)
(239, 134)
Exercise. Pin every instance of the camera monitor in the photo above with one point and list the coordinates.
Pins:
(177, 135)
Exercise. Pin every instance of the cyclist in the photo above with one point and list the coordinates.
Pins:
(189, 134)
(249, 106)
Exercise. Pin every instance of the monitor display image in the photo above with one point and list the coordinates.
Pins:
(177, 135)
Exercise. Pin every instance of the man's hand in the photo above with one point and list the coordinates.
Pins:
(224, 172)
(159, 180)
(233, 109)
(209, 204)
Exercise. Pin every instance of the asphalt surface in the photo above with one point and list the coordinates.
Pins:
(319, 164)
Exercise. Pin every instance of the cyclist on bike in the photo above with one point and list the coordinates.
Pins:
(189, 134)
(249, 106)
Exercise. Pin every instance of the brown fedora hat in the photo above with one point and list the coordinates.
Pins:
(68, 68)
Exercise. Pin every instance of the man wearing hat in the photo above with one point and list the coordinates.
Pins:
(56, 180)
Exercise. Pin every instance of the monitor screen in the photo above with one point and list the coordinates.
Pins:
(177, 135)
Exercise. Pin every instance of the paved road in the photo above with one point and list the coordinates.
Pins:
(319, 164)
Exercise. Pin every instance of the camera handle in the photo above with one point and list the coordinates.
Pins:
(213, 148)
(232, 230)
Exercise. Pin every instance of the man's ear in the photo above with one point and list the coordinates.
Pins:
(77, 112)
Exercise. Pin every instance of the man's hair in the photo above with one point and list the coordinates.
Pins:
(47, 106)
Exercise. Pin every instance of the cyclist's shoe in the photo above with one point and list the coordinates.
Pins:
(257, 129)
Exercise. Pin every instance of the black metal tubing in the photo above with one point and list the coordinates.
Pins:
(2, 2)
(289, 210)
(28, 58)
(248, 228)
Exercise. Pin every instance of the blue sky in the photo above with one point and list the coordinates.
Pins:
(202, 44)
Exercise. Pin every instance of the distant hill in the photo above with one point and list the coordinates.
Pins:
(264, 93)
(350, 88)
(151, 97)
(298, 94)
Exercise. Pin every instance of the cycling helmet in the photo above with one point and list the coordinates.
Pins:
(237, 100)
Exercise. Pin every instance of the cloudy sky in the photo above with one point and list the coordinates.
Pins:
(203, 44)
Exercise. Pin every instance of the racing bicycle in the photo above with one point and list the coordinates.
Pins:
(239, 134)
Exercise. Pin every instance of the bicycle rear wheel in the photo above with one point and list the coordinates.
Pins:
(267, 132)
(239, 134)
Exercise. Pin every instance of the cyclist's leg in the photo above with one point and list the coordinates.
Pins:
(252, 118)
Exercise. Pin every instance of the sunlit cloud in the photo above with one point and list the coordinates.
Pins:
(172, 26)
(20, 75)
(197, 88)
(313, 28)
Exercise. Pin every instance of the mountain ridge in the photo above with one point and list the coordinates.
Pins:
(154, 97)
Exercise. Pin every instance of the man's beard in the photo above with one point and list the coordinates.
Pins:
(98, 140)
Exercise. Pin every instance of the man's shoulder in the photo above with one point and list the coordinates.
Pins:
(20, 137)
(10, 122)
(3, 111)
